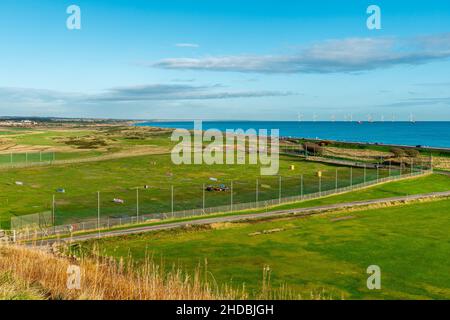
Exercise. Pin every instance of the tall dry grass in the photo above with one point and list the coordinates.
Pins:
(104, 279)
(34, 273)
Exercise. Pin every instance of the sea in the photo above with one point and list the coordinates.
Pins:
(422, 133)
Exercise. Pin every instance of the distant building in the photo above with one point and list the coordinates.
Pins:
(18, 123)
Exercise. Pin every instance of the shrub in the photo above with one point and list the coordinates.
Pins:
(412, 153)
(398, 152)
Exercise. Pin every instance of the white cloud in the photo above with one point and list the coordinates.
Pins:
(187, 45)
(156, 92)
(331, 56)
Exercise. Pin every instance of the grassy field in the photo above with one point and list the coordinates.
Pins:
(427, 184)
(329, 253)
(119, 178)
(324, 253)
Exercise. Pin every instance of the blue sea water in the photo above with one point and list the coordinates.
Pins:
(432, 134)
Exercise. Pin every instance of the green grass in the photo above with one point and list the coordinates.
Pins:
(420, 185)
(47, 138)
(119, 178)
(413, 186)
(12, 288)
(410, 243)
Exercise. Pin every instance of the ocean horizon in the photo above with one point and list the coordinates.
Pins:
(434, 134)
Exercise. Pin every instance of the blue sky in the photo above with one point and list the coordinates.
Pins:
(211, 59)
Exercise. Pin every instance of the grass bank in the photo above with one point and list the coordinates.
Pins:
(331, 252)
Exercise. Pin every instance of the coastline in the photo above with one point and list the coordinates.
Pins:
(160, 124)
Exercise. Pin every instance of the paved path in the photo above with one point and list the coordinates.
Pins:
(250, 216)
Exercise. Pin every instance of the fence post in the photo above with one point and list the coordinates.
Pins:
(431, 162)
(137, 205)
(301, 187)
(231, 196)
(378, 173)
(171, 200)
(257, 192)
(336, 181)
(351, 177)
(53, 210)
(279, 189)
(204, 198)
(365, 172)
(98, 213)
(320, 185)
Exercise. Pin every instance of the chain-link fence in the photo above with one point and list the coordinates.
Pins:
(130, 206)
(13, 159)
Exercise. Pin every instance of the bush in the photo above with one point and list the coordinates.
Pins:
(324, 143)
(412, 153)
(398, 152)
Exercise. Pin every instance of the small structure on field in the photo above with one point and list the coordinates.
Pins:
(118, 201)
(220, 188)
